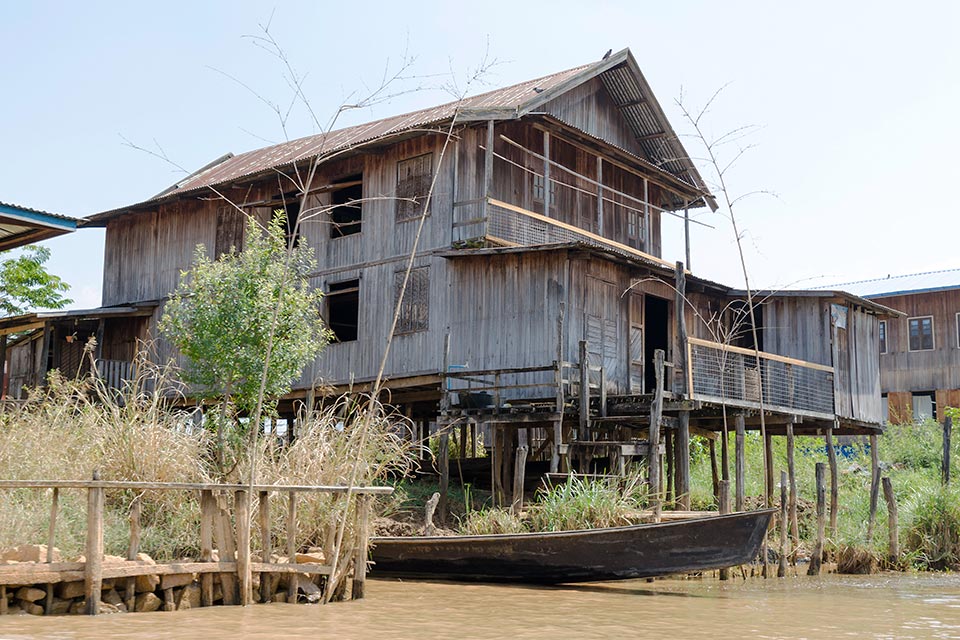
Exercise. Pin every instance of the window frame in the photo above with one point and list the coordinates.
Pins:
(407, 323)
(933, 334)
(958, 330)
(882, 338)
(342, 288)
(346, 229)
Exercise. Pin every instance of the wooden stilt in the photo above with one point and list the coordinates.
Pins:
(945, 465)
(784, 518)
(874, 485)
(653, 436)
(519, 471)
(834, 484)
(244, 575)
(208, 510)
(724, 500)
(266, 543)
(816, 558)
(792, 475)
(682, 447)
(228, 550)
(293, 580)
(714, 471)
(444, 463)
(358, 589)
(768, 483)
(670, 465)
(892, 524)
(739, 461)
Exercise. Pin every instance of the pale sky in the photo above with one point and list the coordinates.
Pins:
(855, 106)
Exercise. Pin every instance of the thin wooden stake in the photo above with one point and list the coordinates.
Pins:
(892, 524)
(133, 548)
(444, 463)
(51, 542)
(682, 450)
(816, 558)
(834, 484)
(293, 581)
(519, 471)
(782, 567)
(768, 468)
(244, 575)
(947, 429)
(228, 550)
(360, 554)
(714, 470)
(724, 491)
(653, 437)
(792, 472)
(266, 579)
(739, 463)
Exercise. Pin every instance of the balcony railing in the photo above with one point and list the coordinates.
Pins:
(503, 223)
(734, 376)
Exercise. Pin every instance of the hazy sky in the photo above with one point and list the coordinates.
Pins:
(855, 105)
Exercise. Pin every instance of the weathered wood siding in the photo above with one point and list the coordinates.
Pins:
(798, 328)
(905, 370)
(26, 362)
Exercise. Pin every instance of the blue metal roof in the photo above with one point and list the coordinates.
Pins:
(903, 284)
(23, 225)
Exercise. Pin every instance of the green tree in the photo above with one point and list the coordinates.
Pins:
(221, 317)
(26, 284)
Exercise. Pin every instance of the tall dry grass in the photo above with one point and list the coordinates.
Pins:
(71, 428)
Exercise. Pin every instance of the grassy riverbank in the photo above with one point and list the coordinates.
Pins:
(910, 455)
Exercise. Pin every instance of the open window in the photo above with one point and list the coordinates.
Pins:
(346, 211)
(343, 310)
(289, 212)
(414, 176)
(415, 308)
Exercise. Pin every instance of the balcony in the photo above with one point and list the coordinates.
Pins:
(731, 376)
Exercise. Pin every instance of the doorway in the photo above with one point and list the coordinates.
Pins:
(656, 313)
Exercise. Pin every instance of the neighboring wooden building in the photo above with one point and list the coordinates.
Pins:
(919, 352)
(538, 298)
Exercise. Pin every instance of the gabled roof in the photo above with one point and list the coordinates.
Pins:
(619, 73)
(925, 282)
(22, 225)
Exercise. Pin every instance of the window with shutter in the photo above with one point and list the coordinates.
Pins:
(414, 176)
(415, 307)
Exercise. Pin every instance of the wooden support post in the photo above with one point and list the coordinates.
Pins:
(444, 463)
(945, 466)
(133, 548)
(519, 471)
(547, 199)
(266, 543)
(714, 471)
(680, 309)
(360, 554)
(739, 463)
(768, 484)
(463, 439)
(816, 558)
(653, 435)
(3, 600)
(874, 486)
(724, 500)
(293, 581)
(792, 474)
(51, 534)
(725, 450)
(834, 484)
(227, 546)
(584, 389)
(784, 517)
(93, 566)
(682, 447)
(208, 513)
(244, 576)
(669, 476)
(488, 169)
(892, 525)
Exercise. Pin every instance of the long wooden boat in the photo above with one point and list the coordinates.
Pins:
(615, 553)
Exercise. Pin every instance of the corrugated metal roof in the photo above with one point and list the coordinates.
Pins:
(619, 74)
(21, 225)
(903, 284)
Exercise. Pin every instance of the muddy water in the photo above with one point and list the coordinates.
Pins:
(885, 606)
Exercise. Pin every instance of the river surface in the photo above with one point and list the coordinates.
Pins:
(880, 606)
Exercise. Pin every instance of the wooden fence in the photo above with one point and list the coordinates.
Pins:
(234, 565)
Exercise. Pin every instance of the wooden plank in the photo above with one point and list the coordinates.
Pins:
(763, 354)
(93, 567)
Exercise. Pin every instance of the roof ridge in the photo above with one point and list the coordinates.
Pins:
(892, 277)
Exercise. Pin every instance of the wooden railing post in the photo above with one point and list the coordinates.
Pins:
(266, 580)
(51, 542)
(133, 548)
(227, 546)
(293, 583)
(816, 558)
(363, 541)
(584, 389)
(784, 516)
(739, 460)
(244, 575)
(653, 436)
(208, 511)
(93, 567)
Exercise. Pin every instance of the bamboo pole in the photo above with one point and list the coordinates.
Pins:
(816, 558)
(892, 524)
